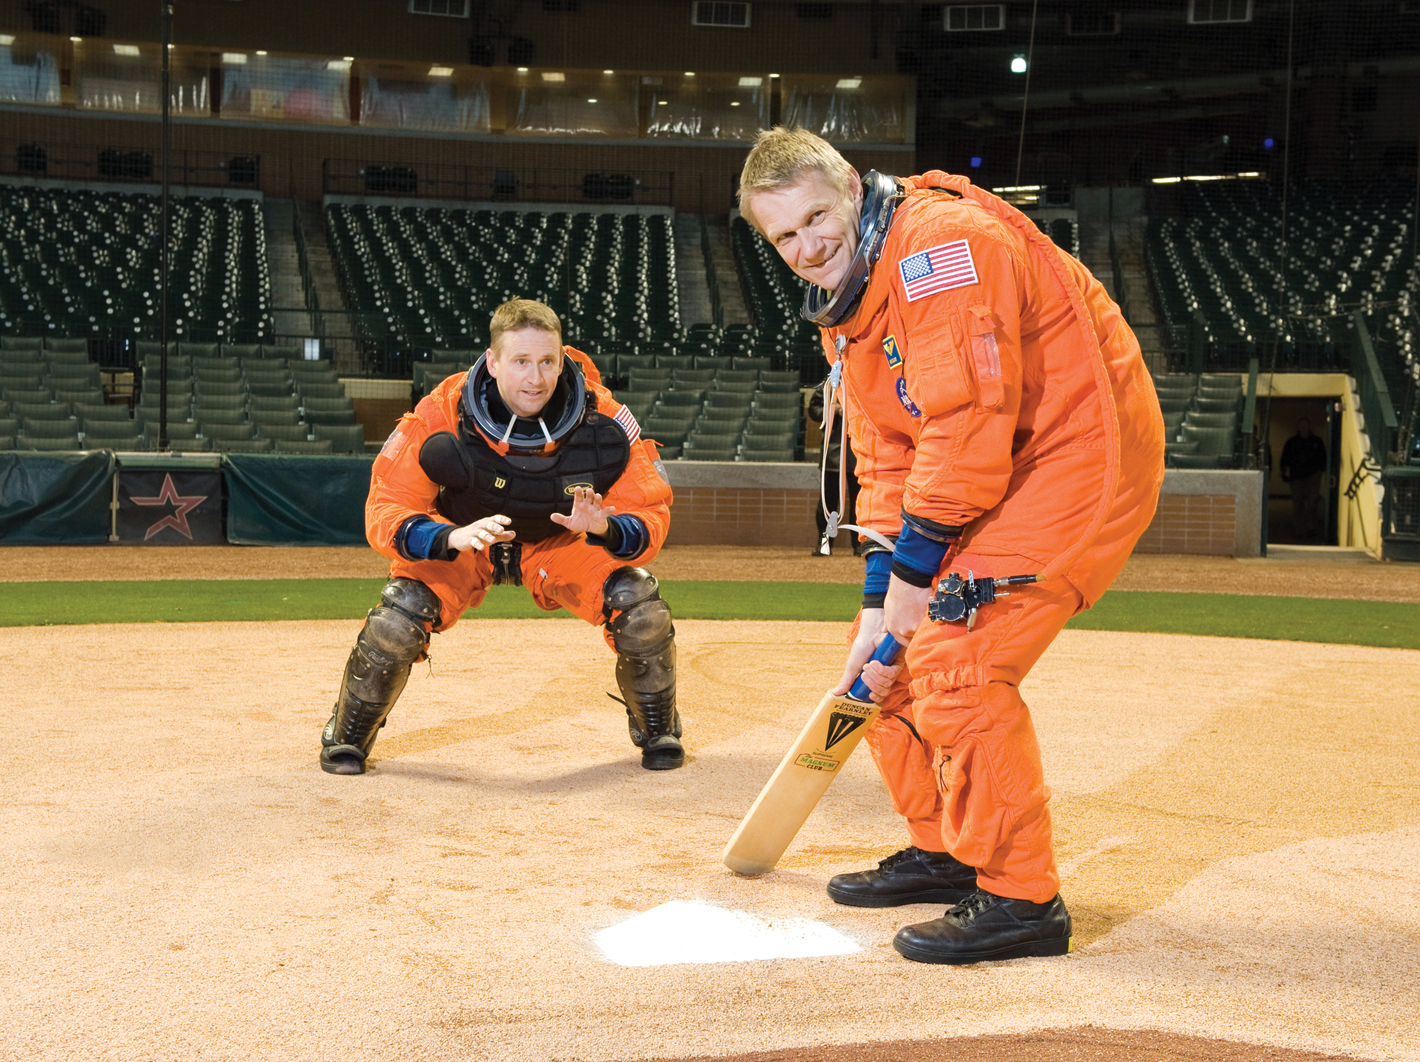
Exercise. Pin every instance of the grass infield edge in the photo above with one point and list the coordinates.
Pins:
(1382, 624)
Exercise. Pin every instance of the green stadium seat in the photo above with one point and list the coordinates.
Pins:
(321, 392)
(132, 441)
(779, 455)
(21, 342)
(287, 432)
(245, 446)
(330, 416)
(212, 415)
(344, 439)
(194, 446)
(44, 442)
(305, 446)
(217, 431)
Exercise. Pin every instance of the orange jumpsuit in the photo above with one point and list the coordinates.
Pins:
(563, 571)
(991, 385)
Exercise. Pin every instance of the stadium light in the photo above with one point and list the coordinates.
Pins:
(849, 82)
(125, 49)
(1018, 64)
(441, 71)
(751, 82)
(553, 75)
(234, 58)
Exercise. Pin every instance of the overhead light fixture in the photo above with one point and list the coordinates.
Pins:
(522, 70)
(773, 75)
(849, 82)
(77, 40)
(347, 58)
(441, 71)
(664, 103)
(734, 103)
(690, 73)
(751, 82)
(339, 64)
(553, 75)
(608, 72)
(592, 100)
(1018, 64)
(6, 39)
(1019, 188)
(261, 53)
(234, 58)
(125, 49)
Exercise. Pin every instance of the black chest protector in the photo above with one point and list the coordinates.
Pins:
(476, 481)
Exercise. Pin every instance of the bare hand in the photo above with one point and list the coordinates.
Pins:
(877, 677)
(905, 608)
(481, 533)
(589, 516)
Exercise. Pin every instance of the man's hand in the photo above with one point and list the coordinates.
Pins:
(877, 677)
(589, 516)
(481, 533)
(905, 608)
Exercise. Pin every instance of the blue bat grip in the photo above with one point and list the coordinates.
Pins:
(884, 654)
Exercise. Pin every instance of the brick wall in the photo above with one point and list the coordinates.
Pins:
(1192, 523)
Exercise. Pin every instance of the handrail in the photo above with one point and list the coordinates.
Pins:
(1376, 404)
(712, 280)
(308, 283)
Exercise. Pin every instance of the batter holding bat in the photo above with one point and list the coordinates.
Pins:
(524, 470)
(1009, 442)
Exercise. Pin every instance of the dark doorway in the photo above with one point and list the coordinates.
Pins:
(1306, 515)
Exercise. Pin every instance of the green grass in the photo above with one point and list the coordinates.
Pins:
(1376, 623)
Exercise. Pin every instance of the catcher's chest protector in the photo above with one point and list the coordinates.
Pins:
(527, 489)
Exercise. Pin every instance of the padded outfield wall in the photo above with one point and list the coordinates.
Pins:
(273, 499)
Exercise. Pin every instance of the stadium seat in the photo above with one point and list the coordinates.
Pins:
(304, 446)
(218, 432)
(132, 441)
(344, 439)
(286, 432)
(45, 442)
(246, 446)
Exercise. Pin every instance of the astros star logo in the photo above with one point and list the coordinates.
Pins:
(182, 505)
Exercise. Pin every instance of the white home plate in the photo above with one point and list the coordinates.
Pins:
(682, 932)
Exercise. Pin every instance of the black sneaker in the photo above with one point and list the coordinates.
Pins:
(910, 876)
(985, 927)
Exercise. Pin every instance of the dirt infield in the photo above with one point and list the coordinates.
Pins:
(1237, 822)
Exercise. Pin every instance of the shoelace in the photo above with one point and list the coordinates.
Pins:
(972, 906)
(897, 859)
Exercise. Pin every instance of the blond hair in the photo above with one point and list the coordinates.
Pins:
(781, 156)
(517, 314)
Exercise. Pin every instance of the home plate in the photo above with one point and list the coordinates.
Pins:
(690, 931)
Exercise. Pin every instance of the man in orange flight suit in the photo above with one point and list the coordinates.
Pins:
(527, 471)
(1005, 425)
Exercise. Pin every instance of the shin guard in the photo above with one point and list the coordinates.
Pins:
(644, 639)
(395, 635)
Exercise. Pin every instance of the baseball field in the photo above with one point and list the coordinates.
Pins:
(1237, 825)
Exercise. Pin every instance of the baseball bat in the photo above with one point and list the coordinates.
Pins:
(804, 774)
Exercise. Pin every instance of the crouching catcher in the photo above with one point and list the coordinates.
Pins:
(526, 471)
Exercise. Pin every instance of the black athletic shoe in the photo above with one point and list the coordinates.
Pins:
(663, 753)
(910, 876)
(336, 758)
(985, 927)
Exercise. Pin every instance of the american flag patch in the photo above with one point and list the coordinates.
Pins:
(937, 269)
(628, 424)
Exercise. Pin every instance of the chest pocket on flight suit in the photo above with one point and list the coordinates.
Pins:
(940, 382)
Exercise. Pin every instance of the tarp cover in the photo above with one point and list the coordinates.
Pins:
(47, 499)
(295, 500)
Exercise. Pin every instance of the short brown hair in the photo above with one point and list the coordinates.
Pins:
(517, 314)
(781, 155)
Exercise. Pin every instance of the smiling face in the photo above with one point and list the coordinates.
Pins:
(525, 364)
(812, 225)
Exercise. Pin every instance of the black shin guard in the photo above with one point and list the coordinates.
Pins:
(645, 665)
(395, 635)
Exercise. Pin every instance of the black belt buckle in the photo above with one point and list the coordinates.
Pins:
(507, 558)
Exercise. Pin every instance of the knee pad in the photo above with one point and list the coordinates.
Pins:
(643, 625)
(396, 631)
